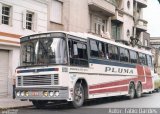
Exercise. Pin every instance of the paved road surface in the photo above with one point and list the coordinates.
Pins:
(101, 106)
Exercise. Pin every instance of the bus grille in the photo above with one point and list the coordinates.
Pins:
(19, 81)
(56, 80)
(37, 80)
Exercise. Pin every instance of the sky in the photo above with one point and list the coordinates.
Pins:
(152, 15)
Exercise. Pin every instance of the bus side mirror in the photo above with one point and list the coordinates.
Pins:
(75, 49)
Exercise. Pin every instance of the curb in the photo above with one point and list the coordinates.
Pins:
(15, 107)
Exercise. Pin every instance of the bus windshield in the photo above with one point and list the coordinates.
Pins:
(44, 51)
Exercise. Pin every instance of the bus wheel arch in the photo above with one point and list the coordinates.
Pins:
(131, 90)
(139, 89)
(82, 86)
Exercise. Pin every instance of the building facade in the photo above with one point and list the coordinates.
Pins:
(116, 19)
(17, 18)
(121, 19)
(155, 42)
(155, 45)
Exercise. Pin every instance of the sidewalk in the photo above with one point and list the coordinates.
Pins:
(9, 103)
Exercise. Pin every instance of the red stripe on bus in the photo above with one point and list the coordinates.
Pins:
(116, 89)
(117, 83)
(140, 71)
(102, 88)
(147, 71)
(149, 83)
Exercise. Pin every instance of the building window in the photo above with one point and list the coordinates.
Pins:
(98, 25)
(116, 31)
(145, 42)
(6, 16)
(29, 20)
(56, 11)
(128, 4)
(157, 46)
(128, 33)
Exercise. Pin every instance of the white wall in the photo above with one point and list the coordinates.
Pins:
(128, 20)
(126, 9)
(79, 19)
(39, 7)
(18, 7)
(127, 25)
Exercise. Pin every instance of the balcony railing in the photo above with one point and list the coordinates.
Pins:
(142, 3)
(104, 6)
(113, 2)
(118, 15)
(142, 24)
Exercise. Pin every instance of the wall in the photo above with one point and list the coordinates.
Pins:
(128, 20)
(18, 6)
(10, 34)
(79, 19)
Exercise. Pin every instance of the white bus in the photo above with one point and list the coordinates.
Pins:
(74, 67)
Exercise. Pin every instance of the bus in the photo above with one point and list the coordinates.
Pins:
(73, 67)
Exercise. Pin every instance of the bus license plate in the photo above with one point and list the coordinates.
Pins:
(35, 93)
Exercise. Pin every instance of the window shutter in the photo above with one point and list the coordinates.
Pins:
(114, 31)
(11, 16)
(0, 13)
(118, 33)
(35, 22)
(24, 19)
(56, 11)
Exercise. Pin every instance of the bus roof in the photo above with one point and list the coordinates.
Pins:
(87, 35)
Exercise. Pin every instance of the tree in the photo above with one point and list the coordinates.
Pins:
(159, 1)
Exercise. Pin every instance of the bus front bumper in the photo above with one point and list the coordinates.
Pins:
(45, 93)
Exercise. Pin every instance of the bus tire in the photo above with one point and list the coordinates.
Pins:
(78, 98)
(131, 91)
(39, 104)
(139, 90)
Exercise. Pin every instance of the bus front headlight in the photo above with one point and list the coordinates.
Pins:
(22, 93)
(51, 93)
(56, 93)
(45, 93)
(26, 93)
(18, 93)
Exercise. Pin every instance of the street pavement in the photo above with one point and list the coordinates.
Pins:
(10, 103)
(100, 106)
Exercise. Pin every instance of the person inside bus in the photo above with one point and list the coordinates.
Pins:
(101, 54)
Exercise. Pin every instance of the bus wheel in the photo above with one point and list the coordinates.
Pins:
(139, 90)
(78, 96)
(131, 91)
(39, 104)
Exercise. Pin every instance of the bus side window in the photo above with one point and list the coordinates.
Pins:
(93, 48)
(107, 53)
(149, 61)
(124, 55)
(113, 52)
(101, 49)
(142, 59)
(78, 53)
(133, 57)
